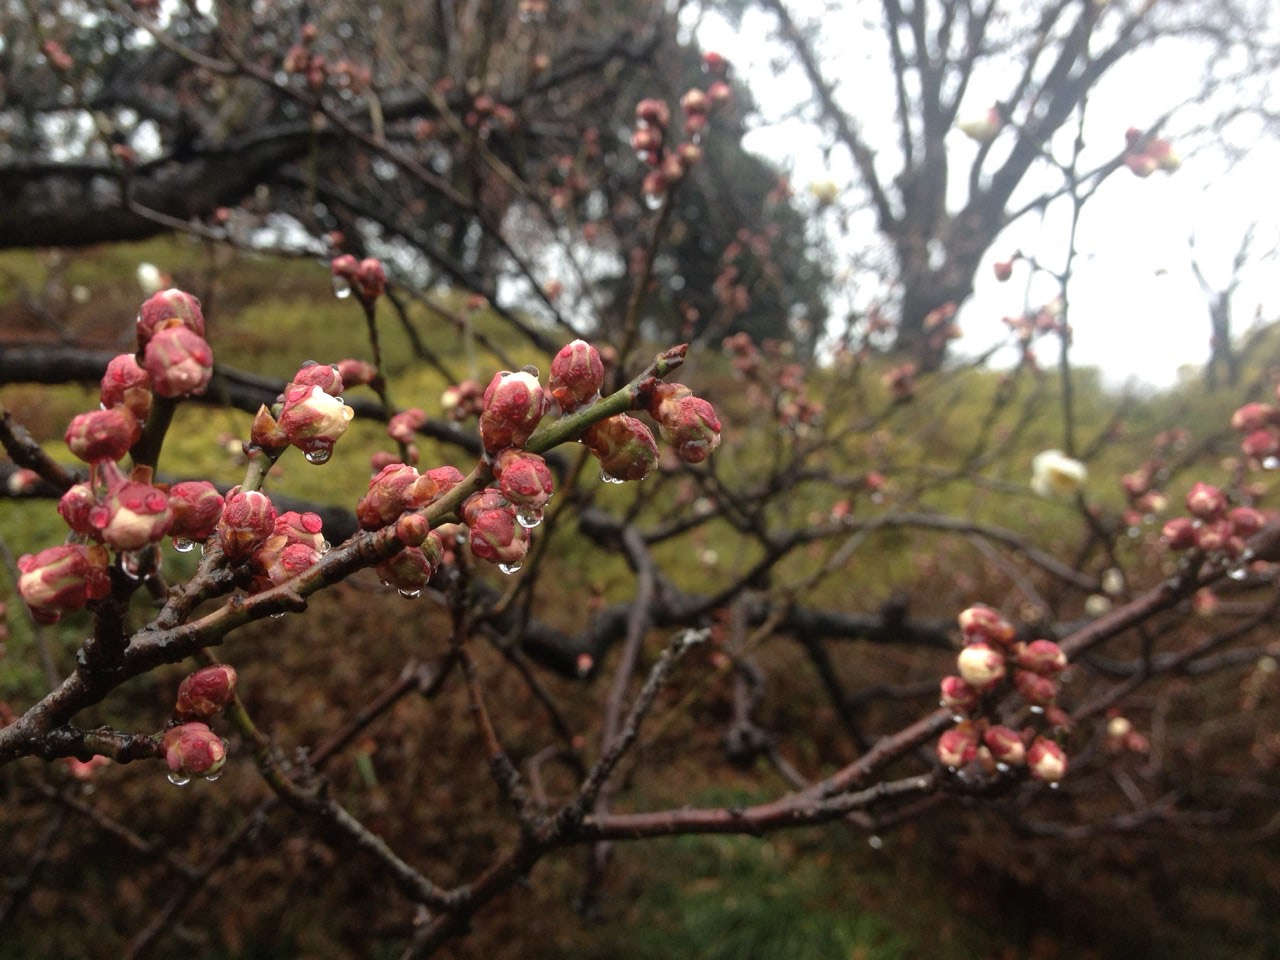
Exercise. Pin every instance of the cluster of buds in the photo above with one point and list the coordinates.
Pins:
(302, 60)
(1045, 321)
(496, 531)
(669, 165)
(1260, 424)
(171, 347)
(1214, 526)
(295, 543)
(1142, 490)
(413, 567)
(366, 278)
(901, 382)
(685, 422)
(1144, 155)
(991, 664)
(486, 114)
(311, 415)
(398, 488)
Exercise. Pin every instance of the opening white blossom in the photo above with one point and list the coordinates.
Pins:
(150, 278)
(1054, 474)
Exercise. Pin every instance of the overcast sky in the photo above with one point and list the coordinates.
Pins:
(1137, 309)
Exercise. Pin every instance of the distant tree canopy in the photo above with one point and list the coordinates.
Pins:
(473, 142)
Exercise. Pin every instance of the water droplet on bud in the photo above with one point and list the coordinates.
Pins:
(183, 545)
(1037, 709)
(409, 594)
(1237, 573)
(325, 547)
(341, 288)
(131, 563)
(528, 517)
(606, 478)
(214, 777)
(510, 568)
(319, 455)
(1055, 785)
(653, 201)
(1270, 463)
(178, 779)
(277, 616)
(874, 842)
(1002, 767)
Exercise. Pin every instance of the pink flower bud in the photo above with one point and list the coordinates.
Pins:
(1206, 502)
(695, 101)
(195, 507)
(206, 692)
(280, 560)
(653, 112)
(434, 484)
(462, 400)
(312, 420)
(390, 494)
(1260, 444)
(75, 506)
(305, 528)
(719, 93)
(1003, 270)
(326, 376)
(413, 567)
(524, 478)
(193, 750)
(1179, 533)
(179, 362)
(132, 516)
(1219, 536)
(62, 579)
(248, 518)
(403, 427)
(625, 447)
(1037, 690)
(356, 373)
(1043, 657)
(957, 694)
(691, 427)
(412, 529)
(1254, 416)
(169, 308)
(370, 280)
(981, 622)
(1246, 521)
(103, 434)
(1046, 760)
(126, 383)
(981, 665)
(1006, 745)
(496, 535)
(958, 746)
(513, 403)
(577, 374)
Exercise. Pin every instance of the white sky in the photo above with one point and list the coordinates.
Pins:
(1136, 309)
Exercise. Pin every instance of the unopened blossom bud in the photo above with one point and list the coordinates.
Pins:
(1003, 270)
(103, 434)
(1043, 657)
(195, 507)
(462, 400)
(524, 478)
(434, 484)
(206, 692)
(179, 362)
(248, 518)
(1054, 474)
(62, 579)
(281, 561)
(343, 270)
(75, 506)
(326, 376)
(958, 694)
(653, 112)
(1037, 690)
(1246, 521)
(132, 516)
(1254, 416)
(983, 128)
(496, 536)
(312, 420)
(1220, 536)
(1260, 444)
(981, 665)
(983, 622)
(1206, 501)
(403, 426)
(389, 495)
(1179, 533)
(513, 403)
(958, 746)
(625, 447)
(1046, 760)
(691, 427)
(370, 280)
(193, 750)
(305, 528)
(169, 308)
(356, 373)
(126, 383)
(1006, 745)
(413, 567)
(412, 529)
(719, 93)
(577, 374)
(695, 101)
